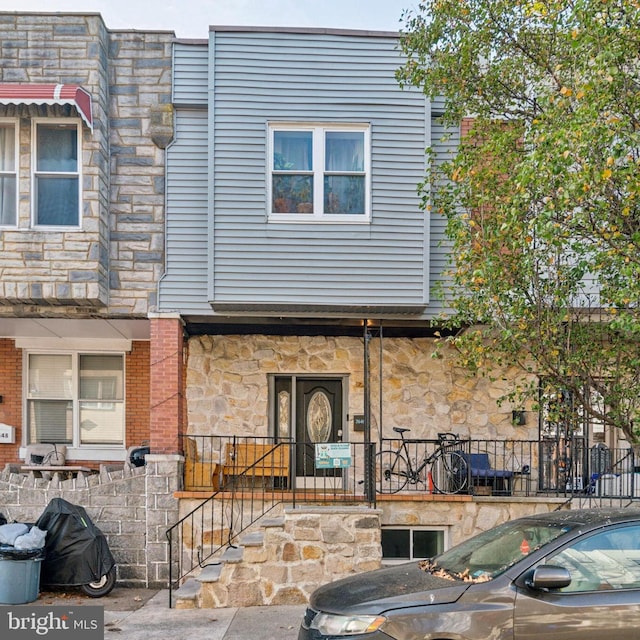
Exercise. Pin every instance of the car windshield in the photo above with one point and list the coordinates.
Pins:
(489, 554)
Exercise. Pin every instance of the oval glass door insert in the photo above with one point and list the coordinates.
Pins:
(319, 417)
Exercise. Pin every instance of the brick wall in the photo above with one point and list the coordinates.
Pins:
(167, 384)
(137, 377)
(11, 392)
(137, 397)
(465, 126)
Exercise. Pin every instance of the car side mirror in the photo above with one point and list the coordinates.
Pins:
(547, 576)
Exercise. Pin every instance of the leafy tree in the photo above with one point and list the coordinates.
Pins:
(542, 197)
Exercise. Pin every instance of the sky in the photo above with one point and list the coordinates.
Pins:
(192, 18)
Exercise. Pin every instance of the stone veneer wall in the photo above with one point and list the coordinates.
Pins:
(227, 388)
(57, 266)
(314, 546)
(133, 508)
(140, 66)
(464, 519)
(319, 544)
(116, 259)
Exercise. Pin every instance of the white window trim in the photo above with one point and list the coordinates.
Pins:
(411, 529)
(16, 170)
(318, 129)
(34, 150)
(75, 450)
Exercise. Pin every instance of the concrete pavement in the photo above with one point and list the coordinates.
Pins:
(144, 614)
(156, 621)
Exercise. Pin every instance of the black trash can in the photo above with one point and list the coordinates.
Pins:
(19, 574)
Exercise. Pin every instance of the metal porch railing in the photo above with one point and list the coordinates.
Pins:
(247, 478)
(536, 467)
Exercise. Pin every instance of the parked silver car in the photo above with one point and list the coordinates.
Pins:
(566, 575)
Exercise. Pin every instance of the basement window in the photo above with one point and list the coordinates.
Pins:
(402, 544)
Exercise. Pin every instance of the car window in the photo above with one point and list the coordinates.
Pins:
(603, 561)
(492, 552)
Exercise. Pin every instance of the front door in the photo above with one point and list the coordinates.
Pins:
(308, 410)
(318, 419)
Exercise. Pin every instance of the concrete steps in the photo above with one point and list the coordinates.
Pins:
(240, 577)
(282, 560)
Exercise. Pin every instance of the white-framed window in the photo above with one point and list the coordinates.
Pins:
(402, 544)
(319, 172)
(75, 399)
(56, 175)
(8, 173)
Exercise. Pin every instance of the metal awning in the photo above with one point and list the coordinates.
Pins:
(37, 329)
(72, 94)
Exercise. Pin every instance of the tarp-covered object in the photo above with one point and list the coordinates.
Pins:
(76, 551)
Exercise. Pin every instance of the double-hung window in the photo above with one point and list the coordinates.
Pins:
(56, 174)
(319, 172)
(76, 399)
(8, 174)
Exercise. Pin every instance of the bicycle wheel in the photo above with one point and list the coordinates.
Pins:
(449, 472)
(392, 471)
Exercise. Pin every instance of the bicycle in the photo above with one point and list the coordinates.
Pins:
(448, 471)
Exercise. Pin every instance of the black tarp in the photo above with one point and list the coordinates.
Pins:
(76, 551)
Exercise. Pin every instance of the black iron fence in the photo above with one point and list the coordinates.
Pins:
(493, 467)
(262, 464)
(526, 467)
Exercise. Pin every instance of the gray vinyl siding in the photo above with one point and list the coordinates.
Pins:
(444, 142)
(185, 282)
(190, 74)
(184, 286)
(221, 248)
(263, 77)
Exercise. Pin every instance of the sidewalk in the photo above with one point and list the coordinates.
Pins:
(145, 615)
(155, 620)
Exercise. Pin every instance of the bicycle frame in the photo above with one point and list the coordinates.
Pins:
(448, 472)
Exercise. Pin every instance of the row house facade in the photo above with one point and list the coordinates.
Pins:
(220, 239)
(295, 235)
(308, 275)
(85, 120)
(306, 272)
